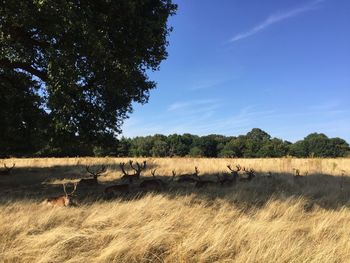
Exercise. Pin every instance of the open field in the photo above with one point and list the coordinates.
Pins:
(269, 219)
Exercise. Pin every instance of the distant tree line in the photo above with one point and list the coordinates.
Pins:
(255, 144)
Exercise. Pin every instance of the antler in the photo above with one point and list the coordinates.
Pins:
(154, 172)
(75, 188)
(174, 174)
(9, 168)
(237, 166)
(229, 167)
(122, 167)
(96, 173)
(131, 165)
(71, 193)
(139, 167)
(196, 171)
(64, 189)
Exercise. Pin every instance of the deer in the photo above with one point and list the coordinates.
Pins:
(267, 175)
(250, 173)
(297, 173)
(205, 183)
(95, 174)
(62, 200)
(137, 171)
(342, 180)
(189, 178)
(156, 183)
(117, 189)
(226, 179)
(234, 173)
(7, 170)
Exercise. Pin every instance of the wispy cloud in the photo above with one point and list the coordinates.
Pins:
(186, 105)
(203, 117)
(213, 83)
(275, 18)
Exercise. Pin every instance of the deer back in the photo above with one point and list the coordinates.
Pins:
(122, 188)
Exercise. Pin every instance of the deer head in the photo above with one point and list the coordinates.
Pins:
(96, 173)
(296, 172)
(196, 171)
(7, 170)
(71, 193)
(238, 168)
(63, 200)
(67, 196)
(139, 168)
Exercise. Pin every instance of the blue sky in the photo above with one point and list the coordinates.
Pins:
(279, 65)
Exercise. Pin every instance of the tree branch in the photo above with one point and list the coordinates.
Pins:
(20, 34)
(24, 66)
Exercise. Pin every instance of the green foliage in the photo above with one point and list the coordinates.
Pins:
(196, 152)
(90, 59)
(22, 118)
(319, 145)
(160, 146)
(179, 145)
(255, 144)
(123, 147)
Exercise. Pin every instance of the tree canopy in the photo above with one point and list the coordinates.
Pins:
(255, 144)
(79, 65)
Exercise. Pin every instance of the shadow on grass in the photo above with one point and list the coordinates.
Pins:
(36, 184)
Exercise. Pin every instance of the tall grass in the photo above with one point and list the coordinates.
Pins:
(331, 166)
(277, 219)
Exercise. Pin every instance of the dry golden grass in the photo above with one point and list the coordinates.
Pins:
(278, 165)
(277, 219)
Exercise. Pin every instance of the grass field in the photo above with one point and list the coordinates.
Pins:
(278, 219)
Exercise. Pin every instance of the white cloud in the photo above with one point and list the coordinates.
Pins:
(185, 105)
(275, 18)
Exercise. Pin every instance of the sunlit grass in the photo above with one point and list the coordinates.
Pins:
(277, 219)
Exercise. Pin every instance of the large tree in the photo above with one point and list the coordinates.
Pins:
(22, 118)
(89, 57)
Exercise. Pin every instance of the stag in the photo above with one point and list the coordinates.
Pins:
(7, 170)
(189, 178)
(137, 171)
(62, 200)
(250, 173)
(205, 183)
(234, 173)
(156, 183)
(114, 190)
(95, 174)
(297, 173)
(226, 179)
(342, 180)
